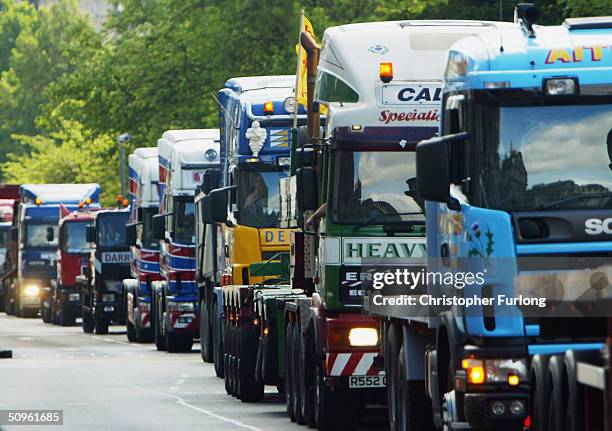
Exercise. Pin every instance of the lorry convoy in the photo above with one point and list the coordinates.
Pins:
(469, 157)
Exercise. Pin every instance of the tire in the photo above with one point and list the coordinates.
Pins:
(131, 331)
(574, 405)
(414, 405)
(144, 335)
(206, 339)
(330, 407)
(101, 326)
(538, 373)
(251, 390)
(160, 339)
(8, 307)
(88, 322)
(289, 379)
(65, 320)
(307, 383)
(226, 357)
(391, 356)
(218, 345)
(178, 343)
(557, 393)
(234, 362)
(298, 369)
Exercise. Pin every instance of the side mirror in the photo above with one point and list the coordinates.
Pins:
(433, 167)
(218, 205)
(50, 234)
(210, 180)
(305, 157)
(131, 233)
(308, 189)
(90, 233)
(205, 210)
(158, 226)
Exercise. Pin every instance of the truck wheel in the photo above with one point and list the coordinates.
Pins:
(101, 326)
(251, 390)
(289, 371)
(143, 335)
(298, 368)
(330, 407)
(414, 406)
(178, 343)
(557, 391)
(8, 307)
(539, 392)
(307, 383)
(65, 320)
(160, 339)
(227, 339)
(218, 345)
(88, 322)
(206, 342)
(575, 415)
(45, 312)
(391, 356)
(234, 362)
(131, 331)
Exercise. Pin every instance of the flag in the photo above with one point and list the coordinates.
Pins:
(301, 85)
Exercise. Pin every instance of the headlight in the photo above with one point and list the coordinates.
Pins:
(32, 290)
(289, 105)
(108, 297)
(74, 297)
(511, 371)
(363, 337)
(210, 154)
(283, 161)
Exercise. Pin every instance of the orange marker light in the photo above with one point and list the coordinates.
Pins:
(386, 72)
(476, 375)
(38, 201)
(88, 201)
(81, 204)
(119, 198)
(513, 380)
(266, 332)
(125, 202)
(268, 108)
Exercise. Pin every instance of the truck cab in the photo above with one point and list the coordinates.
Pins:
(525, 189)
(144, 204)
(37, 232)
(101, 284)
(73, 254)
(184, 155)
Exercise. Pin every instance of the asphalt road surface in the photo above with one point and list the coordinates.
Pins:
(102, 382)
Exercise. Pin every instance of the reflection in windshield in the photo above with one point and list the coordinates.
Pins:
(184, 229)
(75, 240)
(36, 235)
(369, 186)
(111, 229)
(558, 159)
(259, 198)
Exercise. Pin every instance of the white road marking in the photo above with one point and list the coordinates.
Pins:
(184, 403)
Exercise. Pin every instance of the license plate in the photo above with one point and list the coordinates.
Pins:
(358, 382)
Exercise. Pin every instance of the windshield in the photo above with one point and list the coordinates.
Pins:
(36, 235)
(259, 197)
(111, 229)
(75, 240)
(146, 233)
(370, 186)
(184, 227)
(558, 159)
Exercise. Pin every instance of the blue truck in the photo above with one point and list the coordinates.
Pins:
(36, 231)
(518, 194)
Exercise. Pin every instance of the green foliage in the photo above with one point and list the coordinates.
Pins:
(66, 91)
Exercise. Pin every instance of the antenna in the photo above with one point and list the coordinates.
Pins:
(501, 10)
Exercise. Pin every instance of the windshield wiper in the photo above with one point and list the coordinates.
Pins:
(573, 198)
(379, 216)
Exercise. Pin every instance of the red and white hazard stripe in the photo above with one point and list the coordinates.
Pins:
(352, 364)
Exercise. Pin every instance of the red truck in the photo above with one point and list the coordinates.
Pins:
(73, 254)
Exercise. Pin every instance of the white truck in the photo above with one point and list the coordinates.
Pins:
(183, 157)
(144, 264)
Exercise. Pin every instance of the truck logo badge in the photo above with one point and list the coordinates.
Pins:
(575, 55)
(595, 226)
(378, 49)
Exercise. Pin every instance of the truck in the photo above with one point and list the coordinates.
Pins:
(144, 264)
(9, 196)
(507, 197)
(35, 226)
(255, 117)
(103, 299)
(184, 155)
(72, 255)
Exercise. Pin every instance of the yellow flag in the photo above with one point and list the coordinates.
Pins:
(301, 89)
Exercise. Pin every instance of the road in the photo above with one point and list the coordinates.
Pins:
(102, 382)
